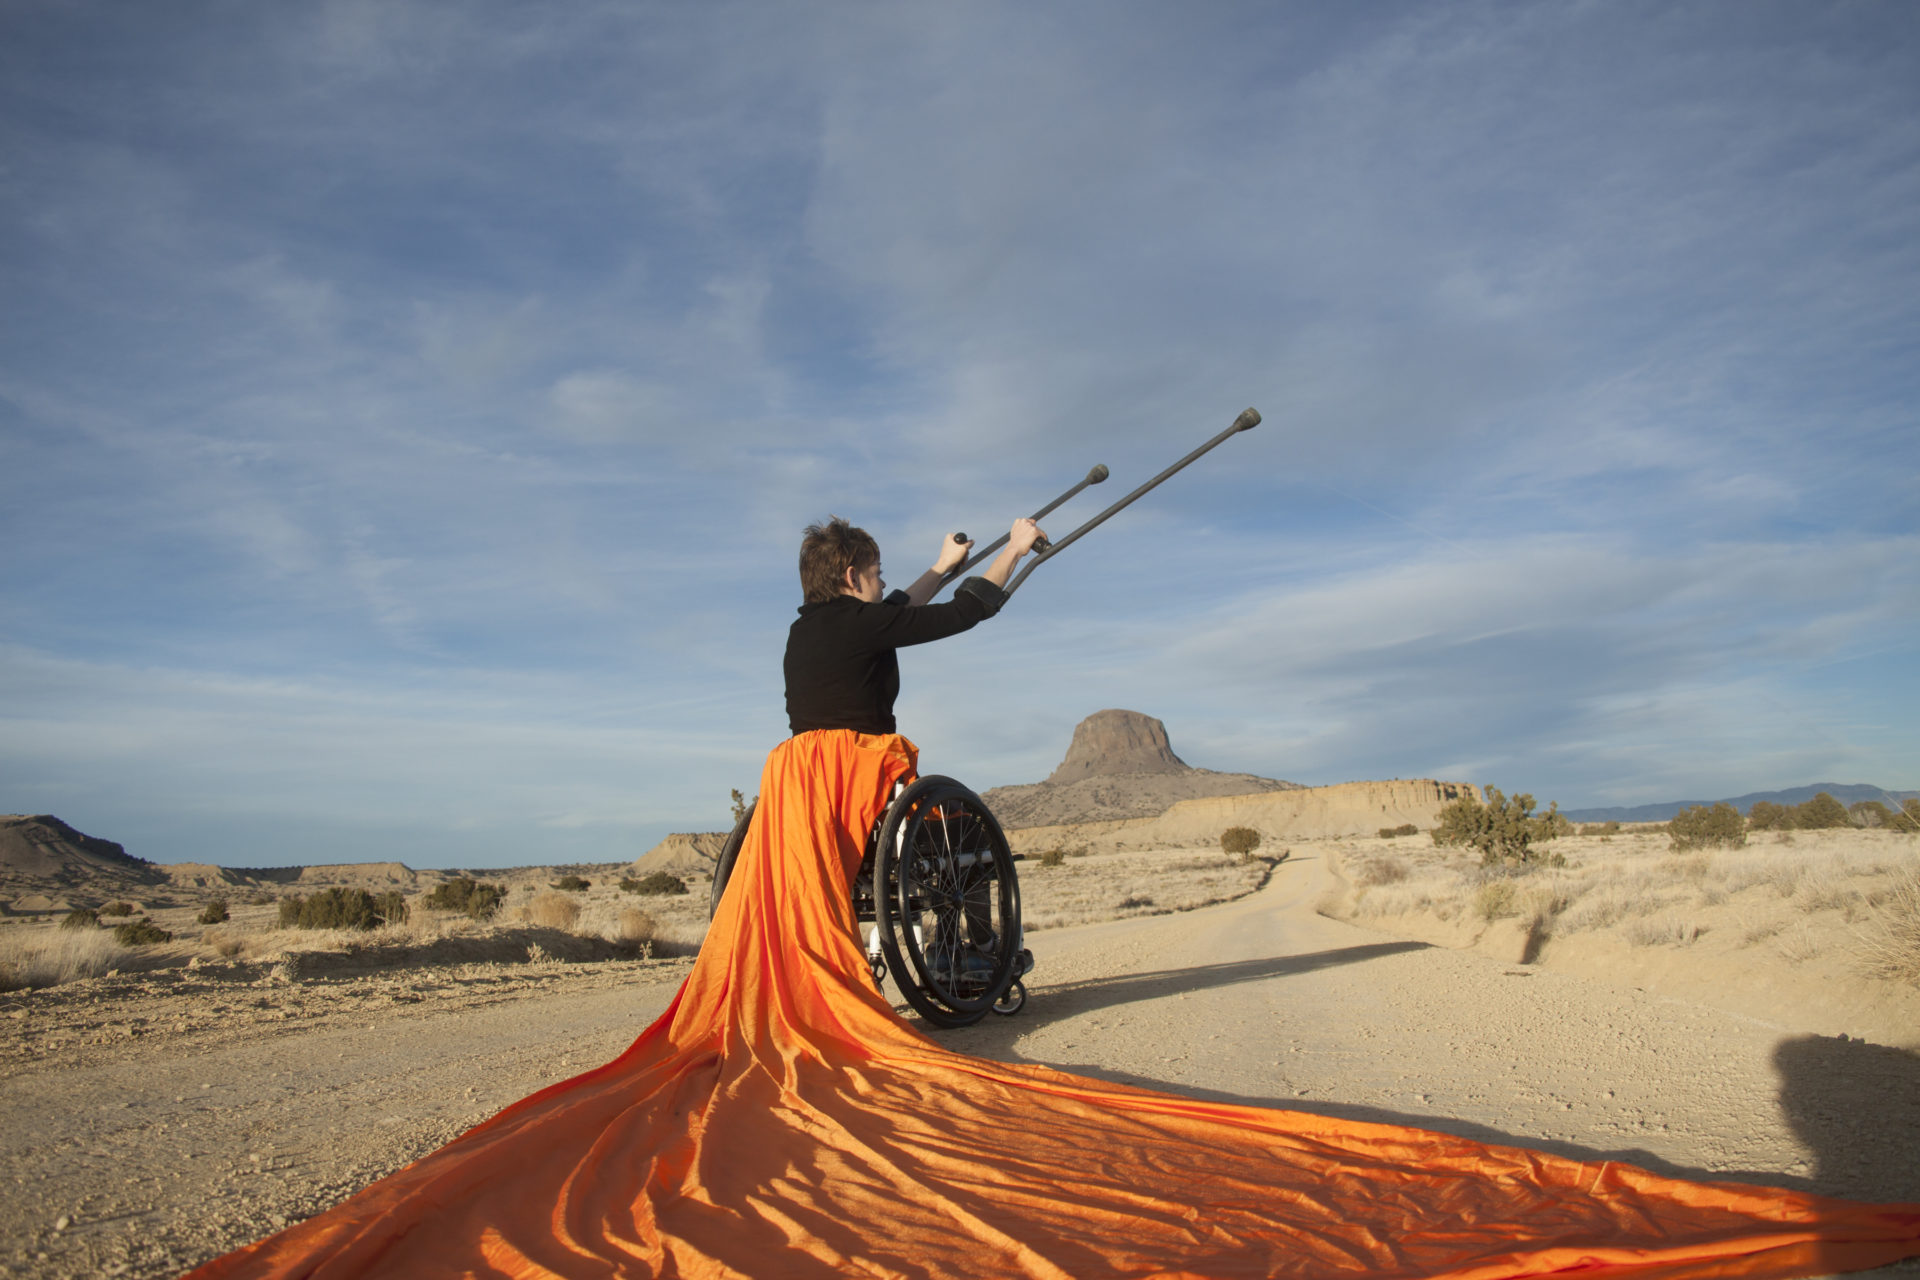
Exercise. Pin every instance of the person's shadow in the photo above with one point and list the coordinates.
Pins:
(1856, 1108)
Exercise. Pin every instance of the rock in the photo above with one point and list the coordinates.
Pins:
(683, 853)
(1112, 743)
(1119, 765)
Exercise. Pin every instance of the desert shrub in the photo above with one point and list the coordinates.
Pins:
(1821, 813)
(635, 927)
(1662, 931)
(1552, 824)
(552, 911)
(341, 909)
(215, 912)
(81, 918)
(1503, 829)
(1239, 840)
(1699, 827)
(1609, 828)
(140, 932)
(654, 882)
(117, 909)
(1869, 813)
(1768, 816)
(1404, 829)
(46, 959)
(1132, 902)
(1908, 819)
(477, 898)
(1495, 899)
(1378, 869)
(1891, 947)
(1053, 857)
(572, 884)
(741, 804)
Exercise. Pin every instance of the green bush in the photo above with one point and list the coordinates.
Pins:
(1239, 840)
(1869, 813)
(81, 918)
(477, 898)
(654, 882)
(1699, 827)
(140, 933)
(1503, 829)
(1768, 816)
(1404, 829)
(1908, 819)
(572, 884)
(215, 912)
(117, 909)
(1608, 828)
(1821, 813)
(1552, 824)
(341, 909)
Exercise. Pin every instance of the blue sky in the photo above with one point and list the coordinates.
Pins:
(408, 411)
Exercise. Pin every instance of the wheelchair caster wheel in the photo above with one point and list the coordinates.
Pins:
(877, 966)
(1013, 1001)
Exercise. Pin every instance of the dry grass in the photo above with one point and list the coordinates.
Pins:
(1890, 947)
(550, 910)
(48, 957)
(1630, 886)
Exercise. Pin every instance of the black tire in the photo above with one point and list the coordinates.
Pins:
(729, 853)
(946, 902)
(1013, 1001)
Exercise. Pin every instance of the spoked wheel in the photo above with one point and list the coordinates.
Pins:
(947, 902)
(729, 854)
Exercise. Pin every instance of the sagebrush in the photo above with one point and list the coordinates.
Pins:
(1239, 840)
(1503, 829)
(476, 898)
(342, 909)
(654, 882)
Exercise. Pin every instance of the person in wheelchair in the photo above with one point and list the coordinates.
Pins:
(842, 674)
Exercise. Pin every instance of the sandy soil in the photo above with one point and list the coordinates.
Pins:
(142, 1140)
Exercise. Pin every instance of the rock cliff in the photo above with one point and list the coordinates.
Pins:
(1119, 765)
(683, 853)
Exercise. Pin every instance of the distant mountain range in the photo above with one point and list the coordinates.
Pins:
(1847, 793)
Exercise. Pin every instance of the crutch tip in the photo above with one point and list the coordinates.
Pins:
(1247, 421)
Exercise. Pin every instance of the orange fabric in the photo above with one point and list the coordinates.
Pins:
(780, 1120)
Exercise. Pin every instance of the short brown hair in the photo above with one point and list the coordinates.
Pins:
(827, 551)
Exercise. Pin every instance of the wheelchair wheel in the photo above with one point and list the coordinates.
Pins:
(947, 902)
(729, 853)
(1013, 1001)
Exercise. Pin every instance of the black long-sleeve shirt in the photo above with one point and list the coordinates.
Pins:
(840, 664)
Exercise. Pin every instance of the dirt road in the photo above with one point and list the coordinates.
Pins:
(162, 1149)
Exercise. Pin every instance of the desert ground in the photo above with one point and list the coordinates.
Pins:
(1716, 1017)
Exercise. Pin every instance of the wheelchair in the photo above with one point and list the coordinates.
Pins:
(938, 888)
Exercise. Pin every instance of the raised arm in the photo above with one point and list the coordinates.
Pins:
(951, 554)
(1019, 542)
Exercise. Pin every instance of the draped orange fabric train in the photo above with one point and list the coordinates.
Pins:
(780, 1120)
